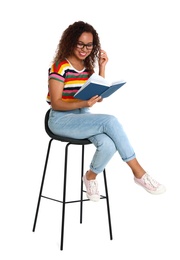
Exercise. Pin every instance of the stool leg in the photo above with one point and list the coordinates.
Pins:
(64, 196)
(41, 187)
(108, 207)
(82, 172)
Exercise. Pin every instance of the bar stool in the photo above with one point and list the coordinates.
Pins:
(69, 141)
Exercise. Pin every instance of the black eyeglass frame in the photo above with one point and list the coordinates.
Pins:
(81, 45)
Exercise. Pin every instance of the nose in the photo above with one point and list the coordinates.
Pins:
(84, 47)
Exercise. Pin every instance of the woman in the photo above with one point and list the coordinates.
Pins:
(77, 53)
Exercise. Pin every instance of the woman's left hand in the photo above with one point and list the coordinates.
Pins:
(103, 58)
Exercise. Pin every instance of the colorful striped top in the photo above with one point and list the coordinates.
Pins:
(72, 79)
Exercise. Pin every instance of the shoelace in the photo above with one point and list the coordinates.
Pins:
(149, 180)
(93, 187)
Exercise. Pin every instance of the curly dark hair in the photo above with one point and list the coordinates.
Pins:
(69, 40)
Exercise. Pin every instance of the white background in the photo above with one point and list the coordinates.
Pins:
(142, 41)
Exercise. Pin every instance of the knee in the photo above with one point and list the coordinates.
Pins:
(112, 121)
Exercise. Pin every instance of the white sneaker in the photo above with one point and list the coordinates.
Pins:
(92, 192)
(149, 184)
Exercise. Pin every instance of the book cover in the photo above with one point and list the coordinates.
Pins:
(97, 85)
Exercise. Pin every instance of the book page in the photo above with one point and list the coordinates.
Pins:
(95, 78)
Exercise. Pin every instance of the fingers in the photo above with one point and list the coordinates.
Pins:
(93, 100)
(103, 56)
(96, 98)
(103, 52)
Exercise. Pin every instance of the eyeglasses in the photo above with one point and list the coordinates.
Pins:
(81, 45)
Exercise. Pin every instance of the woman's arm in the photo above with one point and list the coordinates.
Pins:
(55, 91)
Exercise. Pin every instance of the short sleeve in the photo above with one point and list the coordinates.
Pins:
(57, 72)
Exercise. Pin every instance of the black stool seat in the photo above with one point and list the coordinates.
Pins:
(69, 141)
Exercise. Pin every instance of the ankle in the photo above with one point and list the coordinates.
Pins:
(90, 175)
(138, 175)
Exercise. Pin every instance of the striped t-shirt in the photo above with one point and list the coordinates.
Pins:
(72, 79)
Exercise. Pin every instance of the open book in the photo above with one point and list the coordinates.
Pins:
(97, 85)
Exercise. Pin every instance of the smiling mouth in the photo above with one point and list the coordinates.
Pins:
(83, 54)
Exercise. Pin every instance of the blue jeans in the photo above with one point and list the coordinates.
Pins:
(103, 130)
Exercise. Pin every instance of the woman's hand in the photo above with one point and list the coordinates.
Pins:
(101, 99)
(103, 59)
(93, 100)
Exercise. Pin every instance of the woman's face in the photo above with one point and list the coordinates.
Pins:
(84, 45)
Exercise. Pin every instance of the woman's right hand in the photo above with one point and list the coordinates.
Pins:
(93, 100)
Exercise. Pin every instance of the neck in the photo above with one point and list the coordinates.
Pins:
(76, 63)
